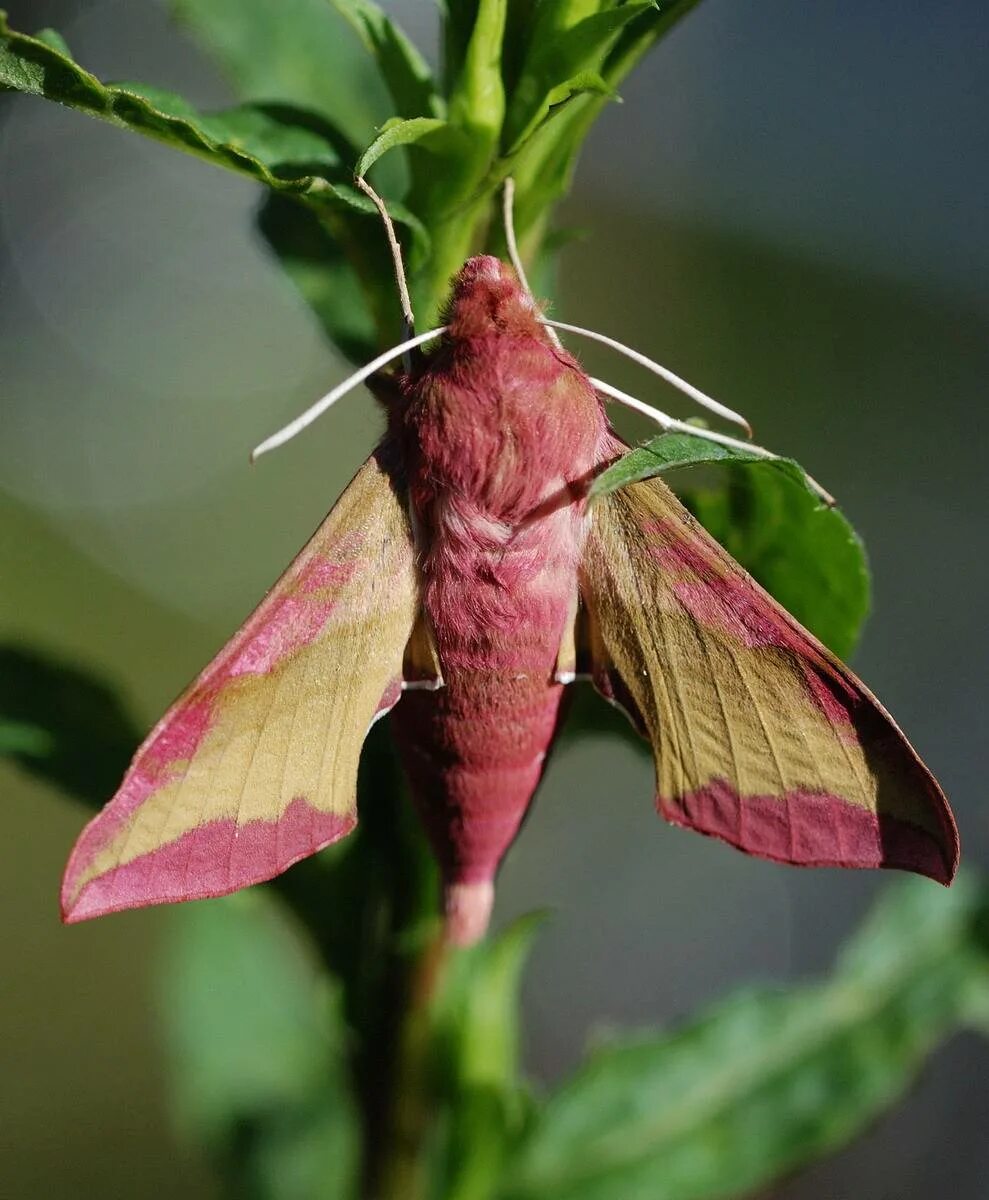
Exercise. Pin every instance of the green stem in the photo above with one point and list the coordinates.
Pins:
(372, 909)
(399, 1170)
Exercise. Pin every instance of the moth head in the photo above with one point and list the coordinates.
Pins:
(487, 298)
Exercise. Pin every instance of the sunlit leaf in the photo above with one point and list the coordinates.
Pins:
(274, 144)
(672, 450)
(477, 92)
(431, 133)
(565, 58)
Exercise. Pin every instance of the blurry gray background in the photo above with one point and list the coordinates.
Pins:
(789, 209)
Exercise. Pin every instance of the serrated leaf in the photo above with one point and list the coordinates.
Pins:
(402, 67)
(62, 724)
(290, 142)
(279, 146)
(257, 1051)
(290, 51)
(771, 1079)
(292, 151)
(548, 120)
(770, 519)
(288, 149)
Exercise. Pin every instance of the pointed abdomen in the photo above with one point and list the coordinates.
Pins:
(474, 750)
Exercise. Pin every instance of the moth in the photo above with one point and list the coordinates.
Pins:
(462, 582)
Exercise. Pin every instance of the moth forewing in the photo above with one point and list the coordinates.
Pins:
(255, 765)
(761, 737)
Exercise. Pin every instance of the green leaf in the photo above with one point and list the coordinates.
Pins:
(291, 142)
(477, 95)
(544, 171)
(51, 37)
(339, 260)
(642, 34)
(257, 1051)
(805, 554)
(482, 1000)
(402, 67)
(773, 1078)
(290, 51)
(63, 724)
(315, 263)
(547, 123)
(279, 146)
(431, 133)
(672, 450)
(770, 520)
(294, 152)
(561, 56)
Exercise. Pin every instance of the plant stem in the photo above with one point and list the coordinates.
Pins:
(399, 1169)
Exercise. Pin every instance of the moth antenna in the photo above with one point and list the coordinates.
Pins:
(671, 425)
(408, 317)
(701, 398)
(508, 215)
(293, 427)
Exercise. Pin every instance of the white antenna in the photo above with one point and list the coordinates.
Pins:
(702, 399)
(508, 215)
(320, 407)
(671, 425)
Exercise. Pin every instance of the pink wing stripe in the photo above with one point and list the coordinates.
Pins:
(213, 859)
(174, 741)
(295, 619)
(282, 625)
(808, 829)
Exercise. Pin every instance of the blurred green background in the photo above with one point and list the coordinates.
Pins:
(787, 210)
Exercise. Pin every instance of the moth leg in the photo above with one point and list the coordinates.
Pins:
(566, 659)
(421, 668)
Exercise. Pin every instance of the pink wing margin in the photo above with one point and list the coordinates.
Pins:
(761, 737)
(255, 765)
